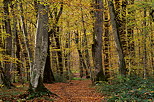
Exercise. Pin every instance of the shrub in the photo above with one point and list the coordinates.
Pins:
(60, 78)
(63, 78)
(130, 89)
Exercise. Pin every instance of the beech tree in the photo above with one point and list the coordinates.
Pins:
(120, 32)
(40, 54)
(97, 46)
(8, 45)
(122, 65)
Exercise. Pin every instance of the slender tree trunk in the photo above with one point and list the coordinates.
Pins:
(145, 34)
(24, 52)
(82, 63)
(18, 55)
(25, 37)
(8, 44)
(122, 65)
(131, 37)
(17, 45)
(59, 53)
(67, 55)
(56, 35)
(106, 42)
(85, 44)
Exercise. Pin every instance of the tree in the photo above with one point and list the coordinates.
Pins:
(55, 31)
(8, 45)
(97, 46)
(122, 65)
(82, 62)
(106, 41)
(40, 54)
(48, 74)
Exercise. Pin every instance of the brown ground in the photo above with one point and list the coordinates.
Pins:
(75, 91)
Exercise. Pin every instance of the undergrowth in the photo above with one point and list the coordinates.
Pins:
(20, 94)
(60, 78)
(130, 89)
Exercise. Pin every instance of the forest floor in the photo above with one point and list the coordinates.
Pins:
(75, 91)
(72, 91)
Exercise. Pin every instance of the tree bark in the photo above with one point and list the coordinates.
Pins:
(145, 35)
(85, 45)
(25, 36)
(122, 65)
(40, 54)
(106, 43)
(8, 44)
(48, 74)
(55, 32)
(97, 46)
(82, 61)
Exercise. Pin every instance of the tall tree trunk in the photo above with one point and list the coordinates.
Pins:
(82, 61)
(18, 55)
(17, 45)
(8, 44)
(85, 45)
(56, 35)
(106, 42)
(131, 37)
(25, 37)
(97, 46)
(40, 53)
(145, 34)
(67, 55)
(122, 65)
(59, 53)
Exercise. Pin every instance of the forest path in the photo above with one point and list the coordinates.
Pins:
(75, 91)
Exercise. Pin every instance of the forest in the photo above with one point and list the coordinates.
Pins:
(77, 50)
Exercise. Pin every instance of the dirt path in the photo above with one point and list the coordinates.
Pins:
(75, 91)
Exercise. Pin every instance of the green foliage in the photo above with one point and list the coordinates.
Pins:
(144, 4)
(7, 95)
(38, 94)
(130, 89)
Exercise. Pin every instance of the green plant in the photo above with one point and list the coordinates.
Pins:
(129, 89)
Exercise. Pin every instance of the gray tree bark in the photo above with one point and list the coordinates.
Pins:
(97, 46)
(40, 53)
